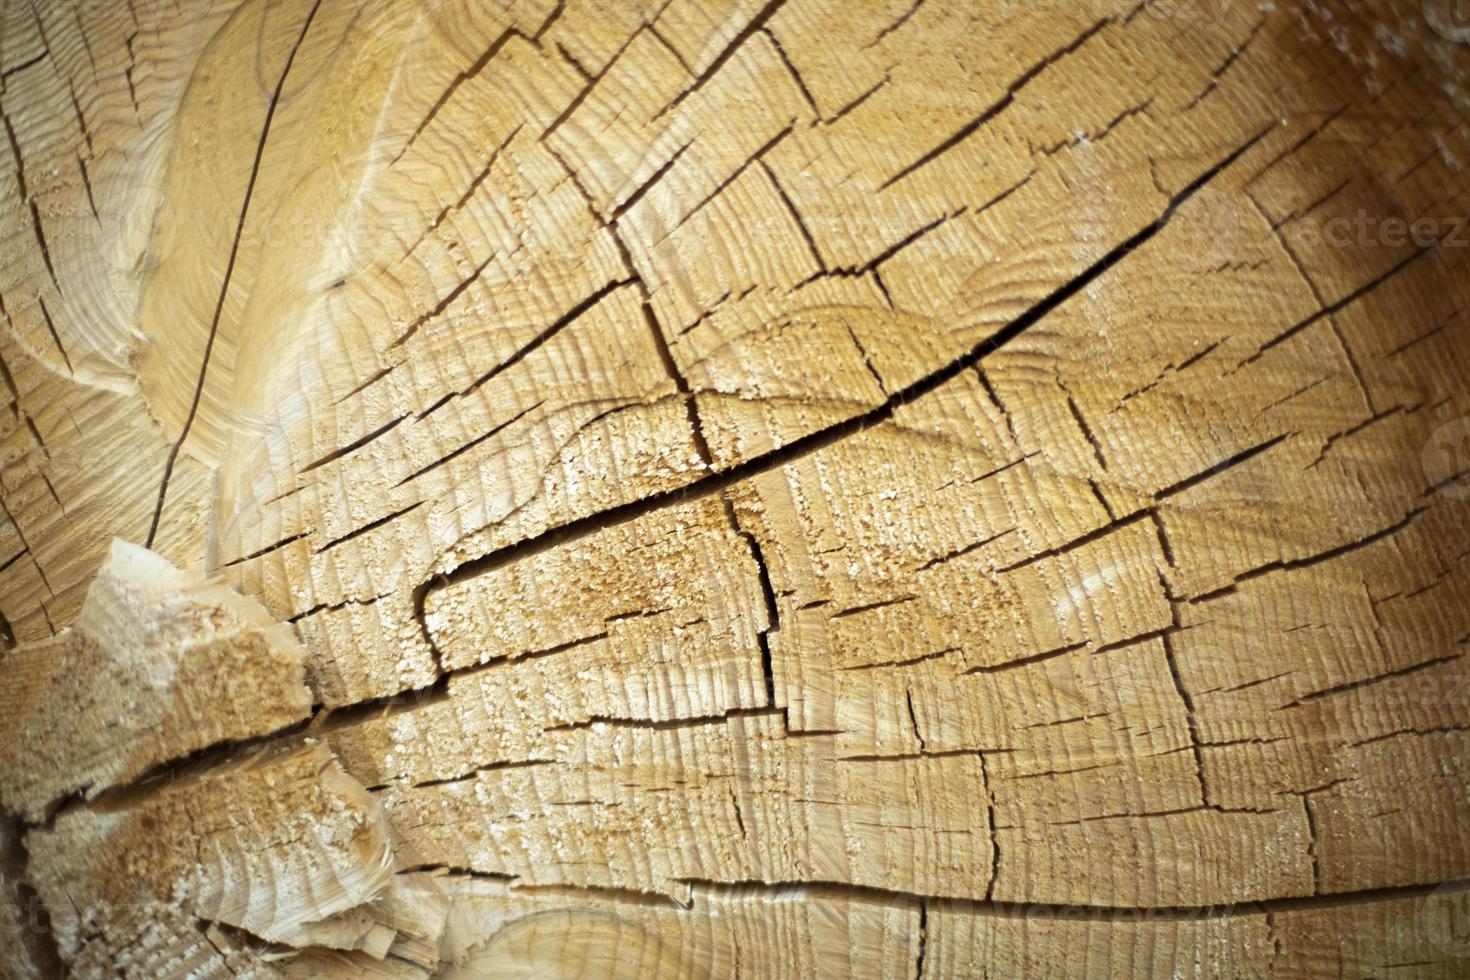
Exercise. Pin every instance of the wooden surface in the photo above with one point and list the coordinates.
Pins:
(694, 488)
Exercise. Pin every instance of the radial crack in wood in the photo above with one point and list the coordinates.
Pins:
(754, 488)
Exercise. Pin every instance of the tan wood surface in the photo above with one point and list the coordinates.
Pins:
(695, 488)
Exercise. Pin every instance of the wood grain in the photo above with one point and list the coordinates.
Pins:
(729, 488)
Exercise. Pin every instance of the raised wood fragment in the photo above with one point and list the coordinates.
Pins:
(157, 666)
(755, 488)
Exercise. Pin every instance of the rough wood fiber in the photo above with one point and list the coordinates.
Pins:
(153, 669)
(719, 488)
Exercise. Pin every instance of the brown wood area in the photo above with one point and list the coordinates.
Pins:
(713, 488)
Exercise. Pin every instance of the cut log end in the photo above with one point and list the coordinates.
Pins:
(689, 488)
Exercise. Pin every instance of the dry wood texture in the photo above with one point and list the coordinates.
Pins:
(684, 488)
